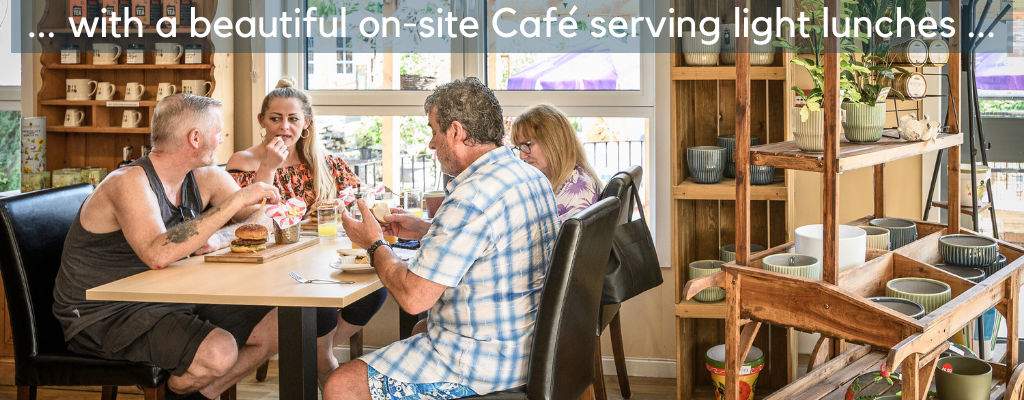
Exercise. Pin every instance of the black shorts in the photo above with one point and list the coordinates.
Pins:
(173, 340)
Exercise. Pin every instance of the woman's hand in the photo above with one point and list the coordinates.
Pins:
(405, 225)
(274, 155)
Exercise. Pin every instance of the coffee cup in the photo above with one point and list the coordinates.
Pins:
(165, 89)
(433, 202)
(197, 87)
(131, 119)
(105, 91)
(169, 53)
(105, 53)
(78, 89)
(73, 117)
(133, 91)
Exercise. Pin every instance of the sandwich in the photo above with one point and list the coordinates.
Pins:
(251, 238)
(357, 256)
(381, 210)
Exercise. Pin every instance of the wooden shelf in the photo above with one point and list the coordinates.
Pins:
(87, 103)
(726, 190)
(851, 155)
(99, 129)
(696, 309)
(129, 66)
(964, 209)
(726, 73)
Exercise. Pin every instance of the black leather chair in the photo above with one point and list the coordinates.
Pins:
(562, 359)
(618, 187)
(32, 231)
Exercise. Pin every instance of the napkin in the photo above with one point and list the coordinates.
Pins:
(287, 214)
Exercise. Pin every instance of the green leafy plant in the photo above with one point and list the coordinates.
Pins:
(869, 69)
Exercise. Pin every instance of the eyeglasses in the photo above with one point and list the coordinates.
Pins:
(523, 147)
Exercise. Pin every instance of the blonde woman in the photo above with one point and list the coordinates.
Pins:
(545, 139)
(291, 158)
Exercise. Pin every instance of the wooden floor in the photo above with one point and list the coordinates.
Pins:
(249, 389)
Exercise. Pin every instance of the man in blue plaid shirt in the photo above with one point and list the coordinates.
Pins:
(479, 271)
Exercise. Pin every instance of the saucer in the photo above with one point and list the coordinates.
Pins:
(352, 268)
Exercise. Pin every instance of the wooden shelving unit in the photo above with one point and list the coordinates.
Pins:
(98, 142)
(704, 107)
(861, 334)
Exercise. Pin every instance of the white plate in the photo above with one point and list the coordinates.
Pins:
(352, 268)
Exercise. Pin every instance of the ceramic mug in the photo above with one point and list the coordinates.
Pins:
(433, 202)
(105, 53)
(133, 91)
(197, 87)
(105, 91)
(73, 117)
(78, 89)
(165, 89)
(168, 53)
(131, 119)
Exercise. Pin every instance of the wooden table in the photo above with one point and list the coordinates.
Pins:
(195, 281)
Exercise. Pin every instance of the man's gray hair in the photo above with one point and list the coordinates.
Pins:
(470, 102)
(177, 115)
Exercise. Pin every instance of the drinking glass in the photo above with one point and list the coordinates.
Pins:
(327, 222)
(414, 202)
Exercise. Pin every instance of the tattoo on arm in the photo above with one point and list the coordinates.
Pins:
(185, 231)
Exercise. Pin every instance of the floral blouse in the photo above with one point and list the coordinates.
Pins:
(297, 180)
(578, 193)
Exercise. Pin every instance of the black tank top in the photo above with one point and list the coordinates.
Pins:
(93, 259)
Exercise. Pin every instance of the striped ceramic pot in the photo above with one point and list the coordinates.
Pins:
(696, 53)
(972, 274)
(996, 266)
(704, 268)
(728, 252)
(761, 175)
(901, 231)
(762, 54)
(968, 250)
(729, 142)
(878, 237)
(794, 264)
(929, 293)
(864, 123)
(810, 134)
(707, 163)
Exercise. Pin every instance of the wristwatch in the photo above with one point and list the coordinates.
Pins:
(373, 248)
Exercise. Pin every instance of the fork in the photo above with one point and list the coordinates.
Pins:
(304, 280)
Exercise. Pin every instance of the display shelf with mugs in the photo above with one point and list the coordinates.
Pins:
(115, 83)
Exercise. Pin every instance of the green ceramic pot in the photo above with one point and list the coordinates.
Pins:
(794, 264)
(904, 306)
(864, 123)
(929, 293)
(728, 252)
(963, 378)
(968, 250)
(704, 268)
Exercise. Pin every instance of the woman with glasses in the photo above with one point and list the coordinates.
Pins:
(545, 139)
(291, 158)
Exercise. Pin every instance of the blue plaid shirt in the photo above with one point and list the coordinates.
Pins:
(490, 244)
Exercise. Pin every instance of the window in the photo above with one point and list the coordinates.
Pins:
(10, 149)
(10, 106)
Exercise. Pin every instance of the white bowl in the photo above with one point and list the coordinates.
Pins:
(852, 244)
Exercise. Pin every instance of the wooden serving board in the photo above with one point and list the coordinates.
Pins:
(272, 252)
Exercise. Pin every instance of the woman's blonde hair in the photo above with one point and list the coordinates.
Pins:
(551, 129)
(311, 153)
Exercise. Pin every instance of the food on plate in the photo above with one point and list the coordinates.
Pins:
(359, 254)
(381, 210)
(251, 238)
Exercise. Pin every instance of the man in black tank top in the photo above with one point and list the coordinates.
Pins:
(148, 215)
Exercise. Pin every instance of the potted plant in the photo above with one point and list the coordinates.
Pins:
(809, 119)
(870, 72)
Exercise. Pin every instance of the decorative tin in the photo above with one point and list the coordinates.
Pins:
(31, 181)
(67, 177)
(69, 54)
(193, 54)
(33, 144)
(136, 54)
(94, 175)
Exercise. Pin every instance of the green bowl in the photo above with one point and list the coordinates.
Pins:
(972, 274)
(970, 379)
(904, 306)
(929, 293)
(704, 268)
(968, 250)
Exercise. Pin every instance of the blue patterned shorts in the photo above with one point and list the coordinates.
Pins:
(385, 388)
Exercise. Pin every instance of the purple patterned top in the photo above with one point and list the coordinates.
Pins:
(578, 193)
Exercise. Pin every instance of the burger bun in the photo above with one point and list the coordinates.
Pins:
(380, 211)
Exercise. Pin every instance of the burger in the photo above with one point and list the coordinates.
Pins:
(251, 238)
(380, 211)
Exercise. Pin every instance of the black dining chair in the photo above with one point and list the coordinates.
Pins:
(620, 187)
(32, 231)
(562, 358)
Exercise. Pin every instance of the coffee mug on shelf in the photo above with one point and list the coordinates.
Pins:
(197, 87)
(131, 119)
(168, 53)
(105, 53)
(79, 89)
(133, 91)
(105, 91)
(165, 89)
(73, 117)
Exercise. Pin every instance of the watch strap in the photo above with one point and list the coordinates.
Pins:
(373, 249)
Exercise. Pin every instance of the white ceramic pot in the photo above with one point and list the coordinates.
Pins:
(696, 53)
(760, 54)
(852, 244)
(984, 173)
(863, 123)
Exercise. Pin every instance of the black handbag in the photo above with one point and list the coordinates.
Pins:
(633, 266)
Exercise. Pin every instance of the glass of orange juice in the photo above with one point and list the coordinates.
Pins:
(327, 222)
(414, 202)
